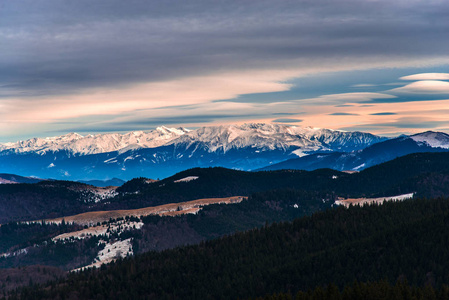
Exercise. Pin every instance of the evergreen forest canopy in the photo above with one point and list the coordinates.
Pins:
(402, 241)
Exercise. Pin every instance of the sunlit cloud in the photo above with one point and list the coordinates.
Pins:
(426, 87)
(427, 76)
(345, 98)
(342, 114)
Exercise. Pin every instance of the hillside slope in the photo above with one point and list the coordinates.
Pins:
(406, 240)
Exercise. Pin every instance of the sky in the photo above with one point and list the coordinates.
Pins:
(116, 66)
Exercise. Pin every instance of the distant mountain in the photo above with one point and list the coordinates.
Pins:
(104, 183)
(76, 144)
(165, 151)
(269, 137)
(375, 154)
(11, 178)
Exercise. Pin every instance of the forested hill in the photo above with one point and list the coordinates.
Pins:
(403, 240)
(427, 174)
(423, 173)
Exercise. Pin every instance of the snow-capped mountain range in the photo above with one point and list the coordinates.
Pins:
(77, 144)
(165, 151)
(265, 137)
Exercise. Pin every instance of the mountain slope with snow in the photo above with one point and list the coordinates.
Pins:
(268, 137)
(77, 144)
(373, 155)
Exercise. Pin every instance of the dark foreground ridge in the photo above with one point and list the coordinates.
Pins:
(395, 241)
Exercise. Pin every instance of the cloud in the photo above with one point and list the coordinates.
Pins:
(287, 120)
(176, 94)
(345, 98)
(288, 114)
(342, 114)
(114, 61)
(384, 114)
(424, 87)
(427, 76)
(362, 85)
(59, 48)
(413, 123)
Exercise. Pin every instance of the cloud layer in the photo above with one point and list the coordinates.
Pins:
(102, 64)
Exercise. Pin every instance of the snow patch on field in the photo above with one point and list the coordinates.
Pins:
(15, 253)
(102, 194)
(96, 194)
(110, 253)
(187, 179)
(365, 201)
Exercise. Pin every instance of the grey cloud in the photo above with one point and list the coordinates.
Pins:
(406, 123)
(58, 47)
(342, 114)
(287, 114)
(363, 85)
(408, 98)
(287, 120)
(384, 114)
(410, 125)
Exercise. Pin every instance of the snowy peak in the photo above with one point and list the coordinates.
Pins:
(273, 136)
(432, 139)
(171, 131)
(77, 144)
(254, 135)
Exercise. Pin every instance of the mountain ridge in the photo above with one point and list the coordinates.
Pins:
(77, 144)
(375, 154)
(246, 147)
